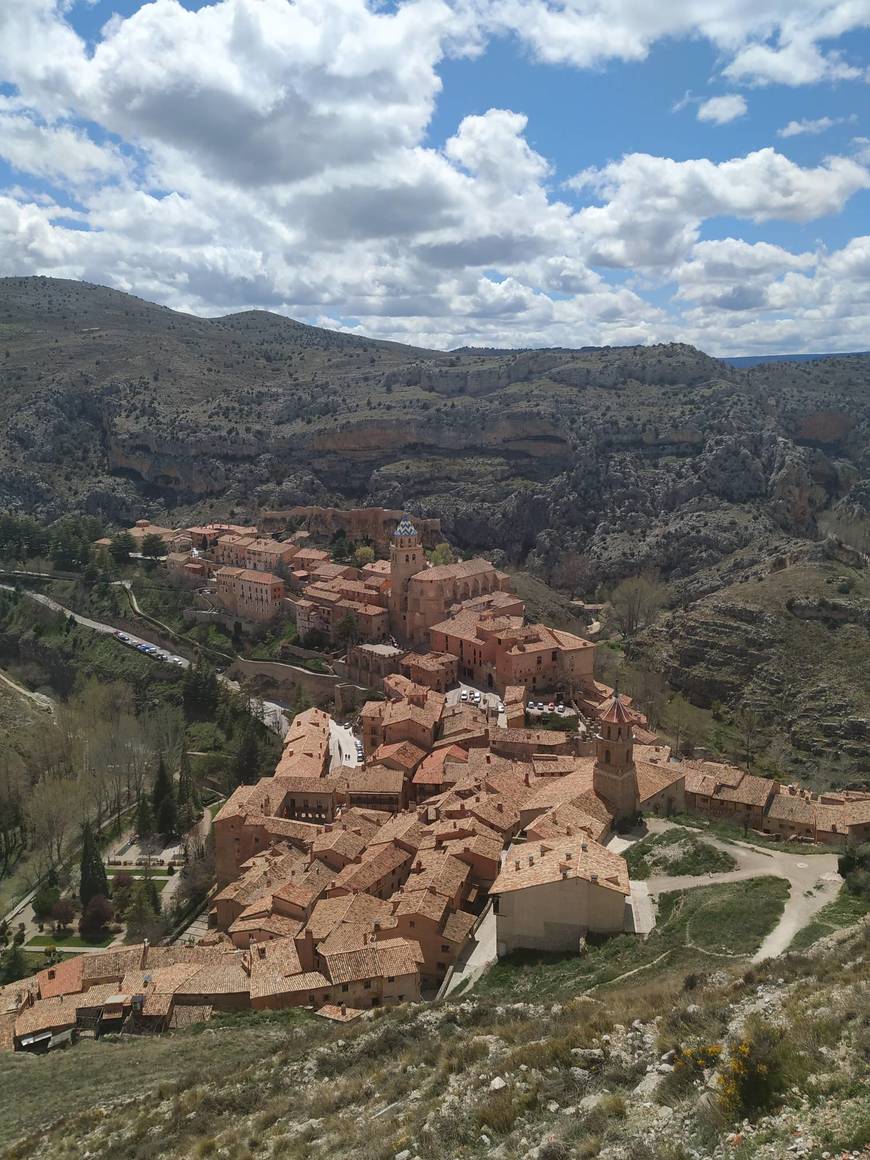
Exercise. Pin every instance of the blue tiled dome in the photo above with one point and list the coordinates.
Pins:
(405, 528)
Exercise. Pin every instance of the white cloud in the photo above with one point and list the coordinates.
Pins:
(721, 110)
(56, 152)
(813, 127)
(274, 154)
(653, 206)
(761, 42)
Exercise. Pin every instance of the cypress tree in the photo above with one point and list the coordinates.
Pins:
(152, 893)
(93, 873)
(162, 785)
(163, 799)
(247, 760)
(167, 816)
(145, 818)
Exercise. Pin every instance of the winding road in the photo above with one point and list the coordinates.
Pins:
(272, 714)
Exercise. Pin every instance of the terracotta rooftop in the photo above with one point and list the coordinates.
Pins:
(616, 712)
(536, 864)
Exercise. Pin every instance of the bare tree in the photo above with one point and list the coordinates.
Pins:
(635, 602)
(748, 723)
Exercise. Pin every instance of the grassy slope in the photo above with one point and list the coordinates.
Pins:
(694, 930)
(656, 855)
(290, 1085)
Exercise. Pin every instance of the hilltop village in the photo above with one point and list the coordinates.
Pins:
(345, 885)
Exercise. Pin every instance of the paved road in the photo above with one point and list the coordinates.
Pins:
(273, 713)
(813, 881)
(477, 955)
(342, 745)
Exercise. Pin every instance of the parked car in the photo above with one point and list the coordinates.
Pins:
(463, 696)
(500, 706)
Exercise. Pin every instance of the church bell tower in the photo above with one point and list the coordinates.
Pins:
(614, 776)
(406, 560)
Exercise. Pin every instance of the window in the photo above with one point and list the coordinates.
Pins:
(412, 923)
(445, 949)
(368, 984)
(345, 987)
(391, 978)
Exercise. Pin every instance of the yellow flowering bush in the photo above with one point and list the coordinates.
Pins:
(753, 1077)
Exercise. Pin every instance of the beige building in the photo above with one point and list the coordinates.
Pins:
(549, 895)
(250, 595)
(497, 650)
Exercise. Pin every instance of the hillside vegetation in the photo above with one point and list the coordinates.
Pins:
(656, 1068)
(745, 492)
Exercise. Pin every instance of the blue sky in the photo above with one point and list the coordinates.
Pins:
(354, 164)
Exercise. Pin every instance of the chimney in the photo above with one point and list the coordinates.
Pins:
(431, 889)
(500, 807)
(584, 847)
(594, 876)
(526, 779)
(517, 864)
(305, 949)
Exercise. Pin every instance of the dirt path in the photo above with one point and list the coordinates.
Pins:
(38, 699)
(813, 881)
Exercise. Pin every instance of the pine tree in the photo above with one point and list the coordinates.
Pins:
(93, 873)
(145, 818)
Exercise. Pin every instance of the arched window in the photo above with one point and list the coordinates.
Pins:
(607, 757)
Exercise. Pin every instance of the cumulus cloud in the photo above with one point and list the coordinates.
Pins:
(721, 110)
(653, 206)
(275, 154)
(782, 41)
(813, 126)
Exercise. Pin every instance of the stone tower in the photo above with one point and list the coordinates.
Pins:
(406, 560)
(614, 776)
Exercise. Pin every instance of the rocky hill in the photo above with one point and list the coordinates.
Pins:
(637, 457)
(581, 466)
(690, 1064)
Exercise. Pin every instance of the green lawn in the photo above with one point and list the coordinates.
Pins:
(843, 911)
(694, 930)
(676, 852)
(62, 941)
(135, 872)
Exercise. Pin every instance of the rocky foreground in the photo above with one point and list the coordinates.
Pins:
(764, 1064)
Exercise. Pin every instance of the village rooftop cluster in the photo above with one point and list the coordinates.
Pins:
(343, 888)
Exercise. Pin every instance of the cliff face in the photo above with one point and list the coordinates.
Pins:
(632, 458)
